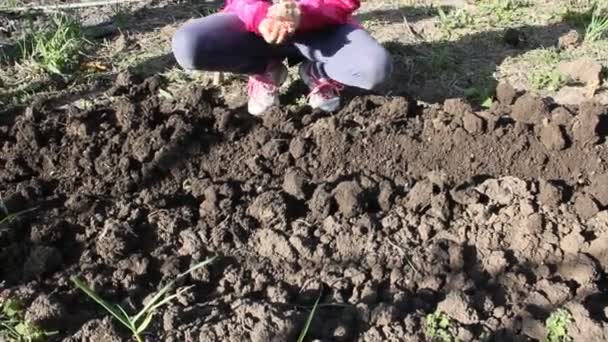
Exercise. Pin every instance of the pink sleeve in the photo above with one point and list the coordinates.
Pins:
(251, 12)
(320, 13)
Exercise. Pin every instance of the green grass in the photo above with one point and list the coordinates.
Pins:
(598, 26)
(557, 326)
(304, 331)
(56, 48)
(139, 322)
(9, 217)
(551, 80)
(449, 22)
(14, 327)
(438, 327)
(594, 21)
(545, 74)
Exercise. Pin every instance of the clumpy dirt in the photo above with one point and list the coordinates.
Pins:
(388, 209)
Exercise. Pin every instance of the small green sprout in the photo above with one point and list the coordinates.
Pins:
(138, 323)
(309, 320)
(439, 327)
(14, 327)
(557, 326)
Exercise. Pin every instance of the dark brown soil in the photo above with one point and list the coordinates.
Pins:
(390, 210)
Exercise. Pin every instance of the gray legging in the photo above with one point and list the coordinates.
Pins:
(220, 42)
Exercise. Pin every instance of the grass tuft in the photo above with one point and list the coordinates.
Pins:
(139, 322)
(594, 21)
(57, 48)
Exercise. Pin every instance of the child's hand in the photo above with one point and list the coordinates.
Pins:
(276, 31)
(286, 10)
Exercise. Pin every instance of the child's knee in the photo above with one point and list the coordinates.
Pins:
(378, 68)
(186, 48)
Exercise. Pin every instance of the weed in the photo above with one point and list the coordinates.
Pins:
(594, 20)
(56, 48)
(441, 58)
(557, 326)
(10, 3)
(138, 323)
(551, 80)
(598, 26)
(439, 327)
(483, 91)
(120, 16)
(14, 327)
(309, 320)
(448, 22)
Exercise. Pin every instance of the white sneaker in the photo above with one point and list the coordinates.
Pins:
(263, 90)
(324, 92)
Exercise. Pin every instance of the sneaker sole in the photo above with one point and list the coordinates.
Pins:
(329, 106)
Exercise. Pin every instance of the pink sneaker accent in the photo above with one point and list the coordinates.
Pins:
(263, 90)
(324, 92)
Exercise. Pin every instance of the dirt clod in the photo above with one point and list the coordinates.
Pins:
(599, 189)
(552, 137)
(586, 127)
(505, 93)
(530, 109)
(296, 183)
(570, 40)
(41, 261)
(458, 306)
(457, 107)
(268, 208)
(550, 194)
(585, 206)
(473, 124)
(350, 198)
(582, 70)
(45, 312)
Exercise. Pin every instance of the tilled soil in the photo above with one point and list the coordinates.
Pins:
(388, 209)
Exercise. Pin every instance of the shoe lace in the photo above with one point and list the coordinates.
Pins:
(326, 88)
(260, 83)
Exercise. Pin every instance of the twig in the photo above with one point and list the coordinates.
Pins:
(407, 259)
(66, 6)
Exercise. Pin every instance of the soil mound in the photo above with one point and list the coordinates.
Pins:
(389, 209)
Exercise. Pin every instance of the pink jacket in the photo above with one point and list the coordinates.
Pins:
(316, 14)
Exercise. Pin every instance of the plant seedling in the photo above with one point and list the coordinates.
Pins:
(439, 327)
(309, 320)
(557, 326)
(14, 327)
(138, 323)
